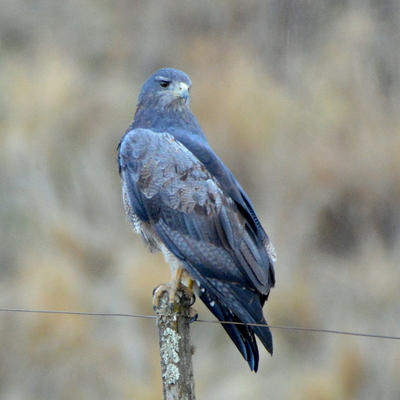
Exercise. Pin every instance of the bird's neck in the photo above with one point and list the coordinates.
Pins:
(166, 119)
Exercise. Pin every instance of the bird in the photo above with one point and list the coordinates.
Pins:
(184, 201)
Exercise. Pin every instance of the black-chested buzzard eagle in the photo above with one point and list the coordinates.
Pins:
(185, 202)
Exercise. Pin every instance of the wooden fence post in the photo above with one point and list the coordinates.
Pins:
(175, 348)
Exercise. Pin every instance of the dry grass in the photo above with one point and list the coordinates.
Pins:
(301, 101)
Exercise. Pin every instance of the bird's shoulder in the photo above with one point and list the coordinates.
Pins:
(161, 165)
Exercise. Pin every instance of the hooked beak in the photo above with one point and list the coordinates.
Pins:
(181, 90)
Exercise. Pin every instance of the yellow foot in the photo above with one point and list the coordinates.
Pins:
(171, 293)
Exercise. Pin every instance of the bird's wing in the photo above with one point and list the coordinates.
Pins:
(168, 186)
(166, 182)
(198, 145)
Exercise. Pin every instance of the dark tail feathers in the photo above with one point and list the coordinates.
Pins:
(241, 335)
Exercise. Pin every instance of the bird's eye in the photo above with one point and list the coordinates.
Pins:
(164, 84)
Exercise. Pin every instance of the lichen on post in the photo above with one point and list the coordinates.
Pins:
(175, 348)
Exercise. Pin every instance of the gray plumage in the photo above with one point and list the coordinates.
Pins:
(184, 201)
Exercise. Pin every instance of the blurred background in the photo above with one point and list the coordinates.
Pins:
(300, 98)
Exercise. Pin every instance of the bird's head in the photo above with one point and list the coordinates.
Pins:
(164, 104)
(167, 88)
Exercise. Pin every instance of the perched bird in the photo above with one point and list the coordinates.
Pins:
(185, 202)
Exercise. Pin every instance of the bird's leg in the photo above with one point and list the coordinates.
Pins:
(188, 288)
(175, 284)
(192, 312)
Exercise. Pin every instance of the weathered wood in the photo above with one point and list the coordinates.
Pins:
(175, 348)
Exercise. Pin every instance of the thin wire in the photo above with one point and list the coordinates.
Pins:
(297, 328)
(76, 313)
(294, 328)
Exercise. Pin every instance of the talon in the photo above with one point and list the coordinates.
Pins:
(192, 299)
(158, 293)
(155, 290)
(193, 315)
